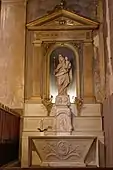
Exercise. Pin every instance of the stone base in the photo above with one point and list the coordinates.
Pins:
(63, 119)
(70, 151)
(63, 115)
(63, 100)
(63, 133)
(88, 124)
(64, 164)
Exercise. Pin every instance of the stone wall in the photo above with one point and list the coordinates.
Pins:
(110, 5)
(86, 8)
(108, 103)
(12, 53)
(108, 39)
(108, 128)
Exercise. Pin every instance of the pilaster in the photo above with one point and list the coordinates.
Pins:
(12, 52)
(88, 72)
(37, 71)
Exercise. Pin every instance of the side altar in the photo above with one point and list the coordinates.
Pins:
(62, 122)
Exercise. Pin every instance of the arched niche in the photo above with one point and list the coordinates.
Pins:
(49, 34)
(71, 52)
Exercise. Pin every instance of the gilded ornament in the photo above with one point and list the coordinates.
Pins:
(47, 102)
(79, 104)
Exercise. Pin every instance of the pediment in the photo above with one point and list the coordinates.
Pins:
(62, 19)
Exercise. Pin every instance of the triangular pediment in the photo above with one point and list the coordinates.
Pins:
(62, 19)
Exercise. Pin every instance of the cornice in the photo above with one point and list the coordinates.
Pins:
(14, 1)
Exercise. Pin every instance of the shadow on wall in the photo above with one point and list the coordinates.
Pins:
(108, 128)
(87, 8)
(9, 135)
(9, 150)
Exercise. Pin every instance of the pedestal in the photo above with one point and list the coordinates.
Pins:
(63, 115)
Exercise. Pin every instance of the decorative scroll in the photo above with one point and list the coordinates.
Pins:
(62, 150)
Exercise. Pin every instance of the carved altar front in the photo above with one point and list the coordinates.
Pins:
(63, 151)
(61, 31)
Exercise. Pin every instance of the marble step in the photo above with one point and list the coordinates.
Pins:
(81, 123)
(40, 110)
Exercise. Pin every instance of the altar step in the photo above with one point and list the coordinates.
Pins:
(40, 110)
(89, 120)
(44, 168)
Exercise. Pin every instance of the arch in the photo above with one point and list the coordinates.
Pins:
(77, 71)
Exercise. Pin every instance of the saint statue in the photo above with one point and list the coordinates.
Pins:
(63, 74)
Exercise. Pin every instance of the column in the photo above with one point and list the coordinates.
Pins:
(37, 72)
(12, 52)
(88, 72)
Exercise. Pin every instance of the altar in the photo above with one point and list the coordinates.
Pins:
(68, 151)
(62, 123)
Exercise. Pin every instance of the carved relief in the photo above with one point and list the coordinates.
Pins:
(46, 46)
(60, 35)
(63, 121)
(63, 21)
(76, 150)
(62, 100)
(77, 44)
(62, 150)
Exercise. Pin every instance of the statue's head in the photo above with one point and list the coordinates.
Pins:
(66, 58)
(61, 58)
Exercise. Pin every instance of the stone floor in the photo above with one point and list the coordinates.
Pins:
(42, 168)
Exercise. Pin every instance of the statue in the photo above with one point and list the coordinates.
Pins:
(68, 65)
(63, 74)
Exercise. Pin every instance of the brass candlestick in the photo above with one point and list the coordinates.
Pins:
(41, 129)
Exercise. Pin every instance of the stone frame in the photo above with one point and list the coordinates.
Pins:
(46, 38)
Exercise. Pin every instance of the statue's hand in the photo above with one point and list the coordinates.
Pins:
(55, 71)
